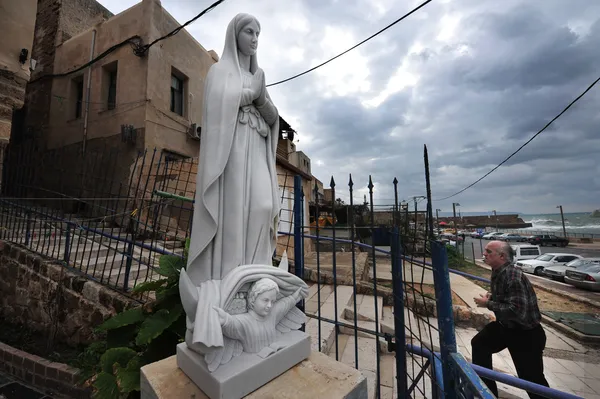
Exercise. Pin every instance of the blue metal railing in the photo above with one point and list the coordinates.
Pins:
(460, 368)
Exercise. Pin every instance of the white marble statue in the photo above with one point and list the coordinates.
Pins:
(257, 328)
(241, 319)
(247, 311)
(236, 205)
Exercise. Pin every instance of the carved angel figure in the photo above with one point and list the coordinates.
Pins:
(257, 328)
(220, 328)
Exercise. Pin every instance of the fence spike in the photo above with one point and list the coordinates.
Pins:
(350, 182)
(332, 183)
(370, 184)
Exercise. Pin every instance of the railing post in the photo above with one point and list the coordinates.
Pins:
(67, 244)
(28, 228)
(129, 255)
(298, 231)
(445, 316)
(398, 291)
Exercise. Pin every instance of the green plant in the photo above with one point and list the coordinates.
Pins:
(138, 336)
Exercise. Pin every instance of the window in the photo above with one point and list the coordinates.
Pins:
(177, 95)
(77, 96)
(109, 84)
(112, 90)
(529, 251)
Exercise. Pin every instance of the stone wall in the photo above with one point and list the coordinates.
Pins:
(58, 378)
(43, 295)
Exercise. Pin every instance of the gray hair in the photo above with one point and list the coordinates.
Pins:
(260, 286)
(507, 251)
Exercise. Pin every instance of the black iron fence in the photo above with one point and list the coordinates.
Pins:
(107, 214)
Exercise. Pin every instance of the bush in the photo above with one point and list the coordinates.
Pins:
(137, 336)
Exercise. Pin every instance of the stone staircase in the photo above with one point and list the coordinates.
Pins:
(101, 255)
(345, 345)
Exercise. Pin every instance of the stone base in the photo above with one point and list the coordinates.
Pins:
(317, 377)
(245, 373)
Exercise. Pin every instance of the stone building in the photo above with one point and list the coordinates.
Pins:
(158, 93)
(126, 102)
(17, 21)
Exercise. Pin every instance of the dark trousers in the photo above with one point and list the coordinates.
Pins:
(526, 348)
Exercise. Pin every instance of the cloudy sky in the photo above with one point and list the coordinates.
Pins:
(471, 79)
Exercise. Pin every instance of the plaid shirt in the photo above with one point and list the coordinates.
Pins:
(513, 299)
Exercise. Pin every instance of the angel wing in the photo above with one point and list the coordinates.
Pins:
(231, 348)
(293, 320)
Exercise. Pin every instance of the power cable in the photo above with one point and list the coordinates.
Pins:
(353, 47)
(134, 41)
(524, 144)
(145, 47)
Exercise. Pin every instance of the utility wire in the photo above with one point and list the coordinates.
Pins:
(134, 41)
(145, 47)
(353, 47)
(524, 144)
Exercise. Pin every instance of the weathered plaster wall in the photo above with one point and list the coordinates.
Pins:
(183, 54)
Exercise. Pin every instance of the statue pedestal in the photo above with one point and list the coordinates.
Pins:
(245, 373)
(319, 376)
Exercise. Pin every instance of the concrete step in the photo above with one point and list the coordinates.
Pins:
(365, 319)
(327, 310)
(367, 364)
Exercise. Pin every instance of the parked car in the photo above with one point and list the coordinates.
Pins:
(550, 240)
(477, 234)
(537, 265)
(511, 237)
(448, 236)
(587, 278)
(523, 252)
(558, 272)
(491, 236)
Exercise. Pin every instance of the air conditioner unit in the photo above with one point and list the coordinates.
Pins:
(194, 131)
(128, 134)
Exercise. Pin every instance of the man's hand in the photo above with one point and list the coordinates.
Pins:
(482, 300)
(222, 315)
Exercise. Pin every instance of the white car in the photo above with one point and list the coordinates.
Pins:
(510, 237)
(558, 272)
(536, 266)
(491, 236)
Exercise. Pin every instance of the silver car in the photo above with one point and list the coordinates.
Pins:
(587, 278)
(558, 272)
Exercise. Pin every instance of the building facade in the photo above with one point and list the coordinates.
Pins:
(158, 93)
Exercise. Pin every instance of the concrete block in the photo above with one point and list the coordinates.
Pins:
(319, 376)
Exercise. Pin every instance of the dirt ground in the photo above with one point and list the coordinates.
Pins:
(429, 291)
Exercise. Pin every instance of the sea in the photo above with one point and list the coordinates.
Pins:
(575, 223)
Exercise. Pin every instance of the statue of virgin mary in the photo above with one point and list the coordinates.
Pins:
(236, 208)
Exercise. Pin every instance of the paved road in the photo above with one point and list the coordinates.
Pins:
(582, 249)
